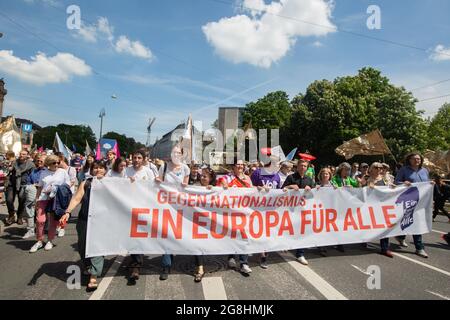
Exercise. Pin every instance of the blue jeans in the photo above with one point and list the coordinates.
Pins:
(417, 241)
(299, 253)
(167, 260)
(243, 258)
(384, 243)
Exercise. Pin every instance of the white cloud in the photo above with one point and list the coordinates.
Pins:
(270, 31)
(41, 70)
(440, 53)
(134, 48)
(103, 29)
(88, 33)
(317, 44)
(91, 33)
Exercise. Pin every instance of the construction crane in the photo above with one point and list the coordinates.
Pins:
(149, 130)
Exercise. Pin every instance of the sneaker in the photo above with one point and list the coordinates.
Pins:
(232, 263)
(246, 269)
(402, 243)
(446, 238)
(302, 260)
(29, 234)
(38, 245)
(387, 253)
(263, 263)
(164, 274)
(422, 253)
(48, 246)
(61, 233)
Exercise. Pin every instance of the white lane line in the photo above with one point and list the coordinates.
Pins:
(214, 289)
(326, 289)
(361, 270)
(441, 232)
(415, 261)
(438, 295)
(106, 281)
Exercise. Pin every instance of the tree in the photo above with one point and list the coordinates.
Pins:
(126, 145)
(71, 135)
(439, 129)
(270, 112)
(330, 113)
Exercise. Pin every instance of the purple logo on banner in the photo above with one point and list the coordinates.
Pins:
(410, 199)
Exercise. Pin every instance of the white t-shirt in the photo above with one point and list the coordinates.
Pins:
(174, 177)
(143, 174)
(112, 174)
(153, 167)
(49, 180)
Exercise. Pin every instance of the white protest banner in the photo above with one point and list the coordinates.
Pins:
(149, 218)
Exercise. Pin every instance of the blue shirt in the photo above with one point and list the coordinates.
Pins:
(34, 176)
(406, 173)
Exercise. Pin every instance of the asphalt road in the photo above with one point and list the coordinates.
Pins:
(44, 276)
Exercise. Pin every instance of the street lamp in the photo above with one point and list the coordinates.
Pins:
(101, 116)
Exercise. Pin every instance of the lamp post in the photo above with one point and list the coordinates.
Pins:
(101, 116)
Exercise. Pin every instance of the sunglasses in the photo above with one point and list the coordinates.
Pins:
(54, 163)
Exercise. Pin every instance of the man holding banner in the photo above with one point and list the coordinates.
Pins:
(298, 181)
(413, 172)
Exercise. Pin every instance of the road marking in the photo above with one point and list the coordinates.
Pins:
(415, 261)
(438, 295)
(361, 270)
(106, 281)
(326, 289)
(437, 231)
(214, 289)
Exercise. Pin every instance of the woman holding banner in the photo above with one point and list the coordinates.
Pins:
(376, 179)
(208, 180)
(175, 173)
(237, 179)
(94, 265)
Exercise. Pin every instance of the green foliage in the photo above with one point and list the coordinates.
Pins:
(439, 129)
(330, 113)
(270, 112)
(70, 134)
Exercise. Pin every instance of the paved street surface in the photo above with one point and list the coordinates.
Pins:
(337, 276)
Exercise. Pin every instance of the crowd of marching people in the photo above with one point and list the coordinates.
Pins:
(49, 187)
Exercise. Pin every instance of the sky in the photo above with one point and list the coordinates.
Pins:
(168, 59)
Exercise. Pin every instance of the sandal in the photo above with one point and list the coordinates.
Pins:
(198, 277)
(92, 285)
